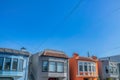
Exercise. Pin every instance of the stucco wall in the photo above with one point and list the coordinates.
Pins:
(37, 68)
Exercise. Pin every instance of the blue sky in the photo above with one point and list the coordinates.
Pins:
(92, 26)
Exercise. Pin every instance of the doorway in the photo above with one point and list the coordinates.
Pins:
(86, 79)
(53, 79)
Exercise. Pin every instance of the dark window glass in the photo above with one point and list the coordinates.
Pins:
(21, 65)
(60, 67)
(45, 66)
(80, 67)
(7, 64)
(1, 63)
(15, 63)
(106, 69)
(85, 66)
(52, 66)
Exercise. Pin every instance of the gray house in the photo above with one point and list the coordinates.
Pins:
(13, 64)
(108, 70)
(115, 58)
(49, 65)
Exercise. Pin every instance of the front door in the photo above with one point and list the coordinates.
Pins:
(86, 79)
(53, 79)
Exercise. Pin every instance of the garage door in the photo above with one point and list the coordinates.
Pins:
(5, 78)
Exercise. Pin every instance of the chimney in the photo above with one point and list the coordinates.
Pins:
(75, 55)
(23, 49)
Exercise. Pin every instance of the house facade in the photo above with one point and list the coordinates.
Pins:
(115, 58)
(108, 70)
(49, 65)
(13, 64)
(83, 68)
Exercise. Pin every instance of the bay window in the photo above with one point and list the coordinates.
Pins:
(51, 66)
(86, 66)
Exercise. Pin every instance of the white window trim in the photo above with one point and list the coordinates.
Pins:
(91, 63)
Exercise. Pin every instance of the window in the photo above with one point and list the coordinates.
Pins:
(7, 64)
(85, 67)
(80, 66)
(21, 65)
(106, 69)
(1, 63)
(111, 69)
(45, 66)
(60, 67)
(115, 71)
(15, 63)
(94, 67)
(52, 66)
(90, 67)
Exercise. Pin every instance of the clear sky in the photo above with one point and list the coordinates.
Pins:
(93, 25)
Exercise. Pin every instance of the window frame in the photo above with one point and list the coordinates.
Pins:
(90, 67)
(57, 67)
(13, 63)
(81, 64)
(5, 63)
(86, 66)
(2, 63)
(22, 65)
(47, 65)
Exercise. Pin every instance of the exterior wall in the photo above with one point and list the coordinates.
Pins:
(34, 67)
(74, 72)
(103, 64)
(37, 68)
(16, 75)
(73, 69)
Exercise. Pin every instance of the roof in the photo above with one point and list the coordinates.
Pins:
(93, 58)
(13, 51)
(86, 58)
(54, 53)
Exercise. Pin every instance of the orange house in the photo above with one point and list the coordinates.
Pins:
(83, 68)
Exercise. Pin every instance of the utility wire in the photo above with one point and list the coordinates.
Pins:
(63, 21)
(68, 16)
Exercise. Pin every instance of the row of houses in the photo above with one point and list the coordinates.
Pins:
(56, 65)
